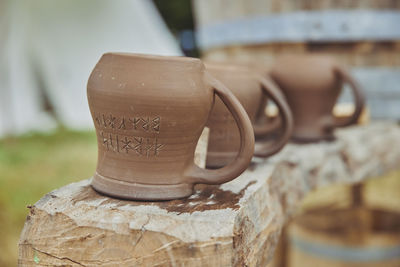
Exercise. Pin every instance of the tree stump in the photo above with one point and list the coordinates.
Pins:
(234, 224)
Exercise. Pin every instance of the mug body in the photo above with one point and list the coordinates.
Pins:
(311, 88)
(224, 138)
(149, 112)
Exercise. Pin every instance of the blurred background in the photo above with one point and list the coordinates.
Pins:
(48, 49)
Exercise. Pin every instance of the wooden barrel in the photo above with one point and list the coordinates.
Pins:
(345, 237)
(362, 34)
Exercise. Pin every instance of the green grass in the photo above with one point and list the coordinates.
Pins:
(31, 166)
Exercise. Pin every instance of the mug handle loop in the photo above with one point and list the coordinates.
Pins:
(271, 90)
(271, 125)
(242, 160)
(359, 98)
(264, 124)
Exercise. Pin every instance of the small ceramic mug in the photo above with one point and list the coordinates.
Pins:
(149, 112)
(312, 84)
(250, 89)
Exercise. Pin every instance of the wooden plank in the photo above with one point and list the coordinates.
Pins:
(337, 25)
(382, 88)
(366, 53)
(211, 11)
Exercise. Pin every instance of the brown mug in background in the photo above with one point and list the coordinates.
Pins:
(312, 84)
(149, 112)
(249, 88)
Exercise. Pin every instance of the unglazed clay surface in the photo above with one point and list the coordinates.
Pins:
(312, 85)
(251, 90)
(149, 112)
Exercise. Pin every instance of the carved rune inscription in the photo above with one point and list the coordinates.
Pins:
(120, 143)
(141, 146)
(146, 124)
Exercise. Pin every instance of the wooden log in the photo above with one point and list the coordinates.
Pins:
(235, 224)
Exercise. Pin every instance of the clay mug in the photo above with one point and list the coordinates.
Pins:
(249, 88)
(312, 84)
(149, 112)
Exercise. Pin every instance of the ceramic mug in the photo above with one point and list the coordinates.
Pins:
(249, 88)
(149, 112)
(312, 84)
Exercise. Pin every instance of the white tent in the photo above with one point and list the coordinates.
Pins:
(48, 48)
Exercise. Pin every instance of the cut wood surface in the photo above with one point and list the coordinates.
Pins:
(235, 224)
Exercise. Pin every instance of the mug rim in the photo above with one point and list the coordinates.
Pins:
(221, 66)
(151, 57)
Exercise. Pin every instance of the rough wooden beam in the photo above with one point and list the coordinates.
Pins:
(235, 224)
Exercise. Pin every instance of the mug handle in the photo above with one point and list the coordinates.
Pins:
(272, 91)
(242, 160)
(273, 123)
(359, 99)
(268, 127)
